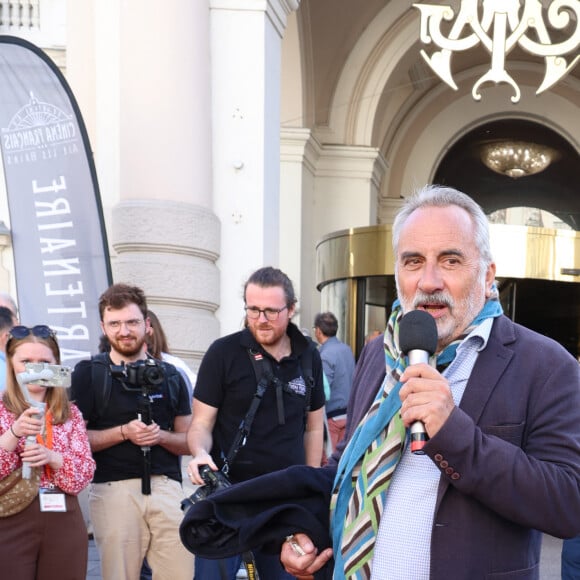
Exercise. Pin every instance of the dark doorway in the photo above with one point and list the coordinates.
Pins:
(549, 307)
(554, 190)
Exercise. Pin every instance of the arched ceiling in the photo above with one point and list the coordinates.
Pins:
(336, 29)
(335, 26)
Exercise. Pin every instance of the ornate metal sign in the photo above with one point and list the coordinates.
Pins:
(500, 25)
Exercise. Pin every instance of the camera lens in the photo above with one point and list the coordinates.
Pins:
(153, 376)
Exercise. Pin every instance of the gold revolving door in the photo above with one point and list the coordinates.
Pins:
(355, 276)
(538, 274)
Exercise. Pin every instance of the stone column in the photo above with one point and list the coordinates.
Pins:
(163, 230)
(298, 156)
(246, 52)
(149, 73)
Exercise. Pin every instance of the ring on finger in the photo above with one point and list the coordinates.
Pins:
(295, 545)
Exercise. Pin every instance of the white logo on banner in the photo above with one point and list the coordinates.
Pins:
(39, 131)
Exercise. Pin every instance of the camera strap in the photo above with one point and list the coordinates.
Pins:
(265, 376)
(245, 426)
(249, 565)
(263, 367)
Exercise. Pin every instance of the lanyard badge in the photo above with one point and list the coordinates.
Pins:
(51, 498)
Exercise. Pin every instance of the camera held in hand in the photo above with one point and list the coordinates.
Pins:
(213, 481)
(146, 373)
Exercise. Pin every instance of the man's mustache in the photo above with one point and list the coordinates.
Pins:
(439, 298)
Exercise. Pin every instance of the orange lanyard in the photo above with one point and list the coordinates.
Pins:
(48, 442)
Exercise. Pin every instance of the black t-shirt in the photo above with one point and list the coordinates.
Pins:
(126, 460)
(226, 380)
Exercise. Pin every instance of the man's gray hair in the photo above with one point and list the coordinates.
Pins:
(442, 196)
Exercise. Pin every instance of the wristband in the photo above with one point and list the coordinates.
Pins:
(13, 433)
(123, 434)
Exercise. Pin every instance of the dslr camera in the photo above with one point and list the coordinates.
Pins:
(142, 374)
(213, 481)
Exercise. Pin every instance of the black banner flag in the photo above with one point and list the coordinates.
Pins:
(58, 235)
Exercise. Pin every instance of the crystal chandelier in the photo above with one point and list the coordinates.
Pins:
(517, 158)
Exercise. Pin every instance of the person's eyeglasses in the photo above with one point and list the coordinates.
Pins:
(130, 324)
(40, 331)
(271, 314)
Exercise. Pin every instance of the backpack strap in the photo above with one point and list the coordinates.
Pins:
(306, 366)
(174, 379)
(101, 375)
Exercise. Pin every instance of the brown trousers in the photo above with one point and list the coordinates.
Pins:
(37, 545)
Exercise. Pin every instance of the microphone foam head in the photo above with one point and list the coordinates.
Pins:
(417, 331)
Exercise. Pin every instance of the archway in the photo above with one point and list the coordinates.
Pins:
(547, 305)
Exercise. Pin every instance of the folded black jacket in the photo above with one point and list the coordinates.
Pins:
(261, 512)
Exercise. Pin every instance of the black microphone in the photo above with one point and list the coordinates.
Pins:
(418, 340)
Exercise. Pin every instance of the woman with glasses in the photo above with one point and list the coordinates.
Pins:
(48, 539)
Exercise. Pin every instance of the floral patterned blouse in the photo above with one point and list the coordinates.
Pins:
(70, 439)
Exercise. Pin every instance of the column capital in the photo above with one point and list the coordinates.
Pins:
(388, 209)
(298, 145)
(276, 10)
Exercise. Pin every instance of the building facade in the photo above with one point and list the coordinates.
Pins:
(231, 134)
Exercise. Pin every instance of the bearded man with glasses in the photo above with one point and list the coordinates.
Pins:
(137, 423)
(287, 427)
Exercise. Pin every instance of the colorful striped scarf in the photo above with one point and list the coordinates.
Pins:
(372, 454)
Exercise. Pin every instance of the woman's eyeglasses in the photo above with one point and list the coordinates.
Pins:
(40, 331)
